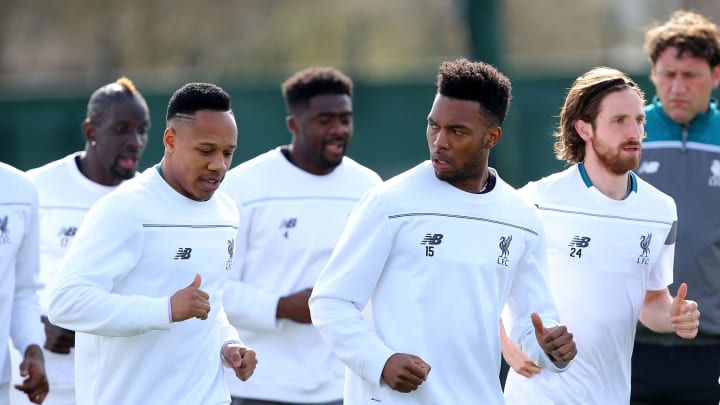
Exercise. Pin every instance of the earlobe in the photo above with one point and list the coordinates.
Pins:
(494, 135)
(88, 131)
(292, 124)
(716, 76)
(169, 140)
(581, 127)
(652, 75)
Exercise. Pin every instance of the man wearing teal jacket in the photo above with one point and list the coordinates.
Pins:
(681, 157)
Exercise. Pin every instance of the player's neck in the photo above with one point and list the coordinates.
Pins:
(613, 185)
(92, 171)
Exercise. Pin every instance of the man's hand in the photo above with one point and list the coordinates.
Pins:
(684, 314)
(58, 340)
(557, 342)
(295, 306)
(405, 372)
(241, 359)
(33, 367)
(515, 357)
(518, 360)
(190, 302)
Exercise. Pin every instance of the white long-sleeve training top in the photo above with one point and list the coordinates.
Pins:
(435, 265)
(64, 197)
(19, 306)
(136, 248)
(604, 255)
(290, 221)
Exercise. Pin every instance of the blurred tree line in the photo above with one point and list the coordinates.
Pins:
(54, 54)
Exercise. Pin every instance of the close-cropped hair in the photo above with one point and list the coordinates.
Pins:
(302, 86)
(477, 81)
(102, 98)
(194, 97)
(687, 32)
(583, 102)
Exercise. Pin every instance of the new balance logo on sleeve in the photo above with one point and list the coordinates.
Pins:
(430, 241)
(183, 254)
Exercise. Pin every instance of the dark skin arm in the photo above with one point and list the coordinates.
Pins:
(405, 372)
(57, 339)
(295, 306)
(32, 369)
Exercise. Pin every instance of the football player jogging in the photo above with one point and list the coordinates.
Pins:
(19, 283)
(610, 241)
(294, 201)
(151, 288)
(116, 133)
(434, 254)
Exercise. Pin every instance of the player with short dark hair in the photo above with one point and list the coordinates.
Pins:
(432, 255)
(305, 84)
(294, 201)
(147, 269)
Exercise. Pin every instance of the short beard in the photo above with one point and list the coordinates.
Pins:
(469, 171)
(614, 162)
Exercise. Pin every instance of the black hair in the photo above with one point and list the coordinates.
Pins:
(477, 81)
(299, 88)
(194, 97)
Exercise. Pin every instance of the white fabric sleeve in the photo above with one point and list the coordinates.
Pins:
(661, 274)
(106, 248)
(25, 326)
(226, 331)
(248, 306)
(345, 286)
(530, 292)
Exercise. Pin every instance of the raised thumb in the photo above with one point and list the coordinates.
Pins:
(538, 324)
(679, 298)
(196, 281)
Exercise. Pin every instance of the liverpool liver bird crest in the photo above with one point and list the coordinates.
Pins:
(645, 244)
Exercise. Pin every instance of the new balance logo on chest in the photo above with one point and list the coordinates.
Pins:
(714, 180)
(183, 254)
(430, 241)
(286, 225)
(577, 244)
(66, 233)
(648, 167)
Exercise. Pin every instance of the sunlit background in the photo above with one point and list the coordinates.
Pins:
(54, 54)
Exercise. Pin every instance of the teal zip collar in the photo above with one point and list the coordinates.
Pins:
(632, 181)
